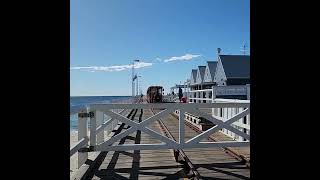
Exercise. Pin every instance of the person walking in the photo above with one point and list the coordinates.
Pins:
(180, 94)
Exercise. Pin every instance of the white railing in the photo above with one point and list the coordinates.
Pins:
(170, 98)
(243, 124)
(97, 129)
(97, 142)
(207, 95)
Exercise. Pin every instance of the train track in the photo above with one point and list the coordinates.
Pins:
(227, 150)
(179, 154)
(174, 124)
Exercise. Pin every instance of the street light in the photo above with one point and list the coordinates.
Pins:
(137, 92)
(133, 76)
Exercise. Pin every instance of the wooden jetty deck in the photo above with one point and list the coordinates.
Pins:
(211, 163)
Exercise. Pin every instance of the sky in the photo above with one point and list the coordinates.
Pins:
(169, 37)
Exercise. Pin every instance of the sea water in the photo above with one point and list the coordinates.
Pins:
(87, 100)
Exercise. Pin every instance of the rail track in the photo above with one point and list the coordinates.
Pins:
(179, 154)
(169, 127)
(229, 151)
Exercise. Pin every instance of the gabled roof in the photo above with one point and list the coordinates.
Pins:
(200, 74)
(193, 78)
(211, 69)
(236, 66)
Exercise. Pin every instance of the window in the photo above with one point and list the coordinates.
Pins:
(245, 120)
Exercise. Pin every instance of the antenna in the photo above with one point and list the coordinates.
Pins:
(244, 48)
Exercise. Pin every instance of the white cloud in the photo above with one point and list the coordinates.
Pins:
(158, 59)
(137, 65)
(186, 57)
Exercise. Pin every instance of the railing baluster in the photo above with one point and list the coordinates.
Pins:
(82, 132)
(99, 121)
(93, 127)
(181, 127)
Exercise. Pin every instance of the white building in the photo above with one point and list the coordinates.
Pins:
(227, 79)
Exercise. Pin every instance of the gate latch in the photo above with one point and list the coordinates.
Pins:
(86, 149)
(84, 115)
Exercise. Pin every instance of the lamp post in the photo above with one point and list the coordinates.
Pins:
(187, 82)
(133, 77)
(137, 91)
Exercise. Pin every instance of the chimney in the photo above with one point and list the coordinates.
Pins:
(218, 50)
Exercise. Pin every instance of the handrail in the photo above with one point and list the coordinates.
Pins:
(78, 145)
(201, 90)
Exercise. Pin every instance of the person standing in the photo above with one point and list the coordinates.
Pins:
(180, 94)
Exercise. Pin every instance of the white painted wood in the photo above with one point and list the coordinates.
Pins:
(82, 133)
(218, 121)
(201, 90)
(214, 129)
(220, 144)
(192, 111)
(220, 76)
(138, 126)
(83, 142)
(231, 90)
(99, 121)
(248, 91)
(213, 93)
(104, 125)
(181, 127)
(201, 97)
(207, 75)
(217, 104)
(198, 78)
(128, 147)
(93, 127)
(207, 99)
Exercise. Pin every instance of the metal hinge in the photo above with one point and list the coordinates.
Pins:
(84, 115)
(86, 149)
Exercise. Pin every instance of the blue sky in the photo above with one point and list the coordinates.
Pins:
(170, 37)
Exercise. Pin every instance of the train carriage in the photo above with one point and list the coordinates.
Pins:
(155, 94)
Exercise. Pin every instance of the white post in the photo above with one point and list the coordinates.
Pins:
(181, 127)
(99, 121)
(137, 91)
(132, 79)
(93, 127)
(213, 93)
(82, 132)
(248, 91)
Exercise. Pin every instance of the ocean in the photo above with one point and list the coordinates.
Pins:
(86, 100)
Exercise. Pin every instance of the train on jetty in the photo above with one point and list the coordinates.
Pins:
(155, 94)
